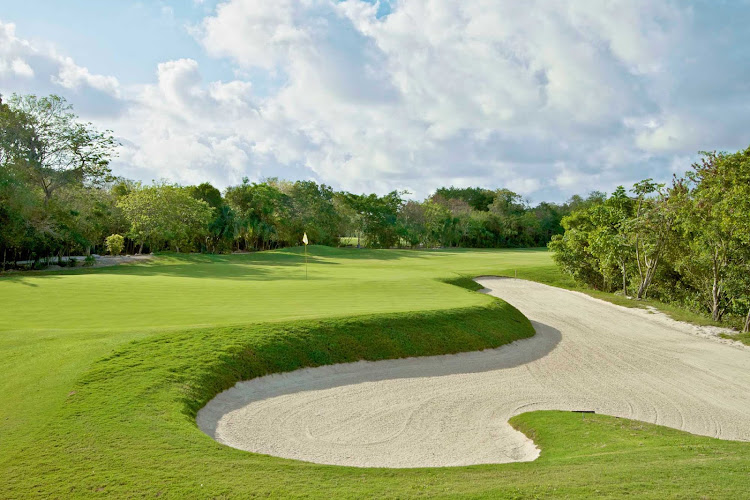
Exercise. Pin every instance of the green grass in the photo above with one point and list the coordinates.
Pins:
(102, 371)
(741, 337)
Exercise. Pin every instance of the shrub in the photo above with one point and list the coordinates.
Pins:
(89, 261)
(114, 243)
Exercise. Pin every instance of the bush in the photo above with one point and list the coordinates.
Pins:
(114, 243)
(89, 261)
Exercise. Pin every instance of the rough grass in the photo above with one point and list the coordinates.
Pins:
(102, 371)
(742, 337)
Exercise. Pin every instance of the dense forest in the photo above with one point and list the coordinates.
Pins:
(58, 197)
(687, 243)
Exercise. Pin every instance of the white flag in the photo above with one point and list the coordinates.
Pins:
(304, 239)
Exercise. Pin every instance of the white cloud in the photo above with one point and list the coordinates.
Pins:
(546, 98)
(17, 54)
(72, 76)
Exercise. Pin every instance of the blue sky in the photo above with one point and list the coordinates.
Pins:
(126, 39)
(545, 98)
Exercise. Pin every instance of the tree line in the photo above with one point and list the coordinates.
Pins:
(58, 197)
(687, 243)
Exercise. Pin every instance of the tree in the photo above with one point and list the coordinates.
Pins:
(651, 229)
(55, 149)
(609, 242)
(258, 209)
(310, 209)
(716, 222)
(221, 227)
(375, 216)
(165, 215)
(478, 198)
(207, 193)
(412, 223)
(572, 250)
(114, 244)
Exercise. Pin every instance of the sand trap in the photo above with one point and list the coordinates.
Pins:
(453, 410)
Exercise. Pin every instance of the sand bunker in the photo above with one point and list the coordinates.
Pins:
(454, 410)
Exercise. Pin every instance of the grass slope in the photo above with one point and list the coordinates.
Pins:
(102, 371)
(54, 325)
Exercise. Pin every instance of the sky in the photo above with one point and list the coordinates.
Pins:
(546, 98)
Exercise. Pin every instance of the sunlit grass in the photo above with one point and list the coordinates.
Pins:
(102, 370)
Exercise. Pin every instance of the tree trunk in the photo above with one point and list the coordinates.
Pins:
(747, 323)
(5, 254)
(140, 250)
(624, 282)
(715, 302)
(642, 288)
(716, 291)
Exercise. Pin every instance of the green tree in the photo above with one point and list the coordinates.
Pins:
(412, 223)
(715, 221)
(572, 250)
(375, 216)
(56, 149)
(114, 243)
(478, 198)
(259, 211)
(651, 229)
(609, 241)
(165, 215)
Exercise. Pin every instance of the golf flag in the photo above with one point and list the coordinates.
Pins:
(304, 239)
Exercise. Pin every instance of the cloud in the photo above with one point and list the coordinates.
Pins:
(450, 92)
(26, 67)
(546, 98)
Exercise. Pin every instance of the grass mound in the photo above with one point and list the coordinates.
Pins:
(128, 425)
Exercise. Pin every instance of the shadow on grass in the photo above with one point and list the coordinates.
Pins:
(261, 266)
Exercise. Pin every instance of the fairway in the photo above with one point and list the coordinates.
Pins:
(103, 372)
(210, 290)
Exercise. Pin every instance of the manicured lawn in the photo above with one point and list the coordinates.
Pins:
(55, 324)
(102, 371)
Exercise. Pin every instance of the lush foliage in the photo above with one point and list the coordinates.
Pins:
(58, 197)
(115, 244)
(688, 243)
(52, 172)
(165, 215)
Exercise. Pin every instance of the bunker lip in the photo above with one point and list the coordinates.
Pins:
(453, 410)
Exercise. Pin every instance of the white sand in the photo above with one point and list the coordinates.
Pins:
(453, 410)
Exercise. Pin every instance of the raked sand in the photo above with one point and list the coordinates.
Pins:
(453, 410)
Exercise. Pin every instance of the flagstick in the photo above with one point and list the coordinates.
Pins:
(305, 260)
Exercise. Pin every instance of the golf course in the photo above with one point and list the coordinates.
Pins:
(105, 370)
